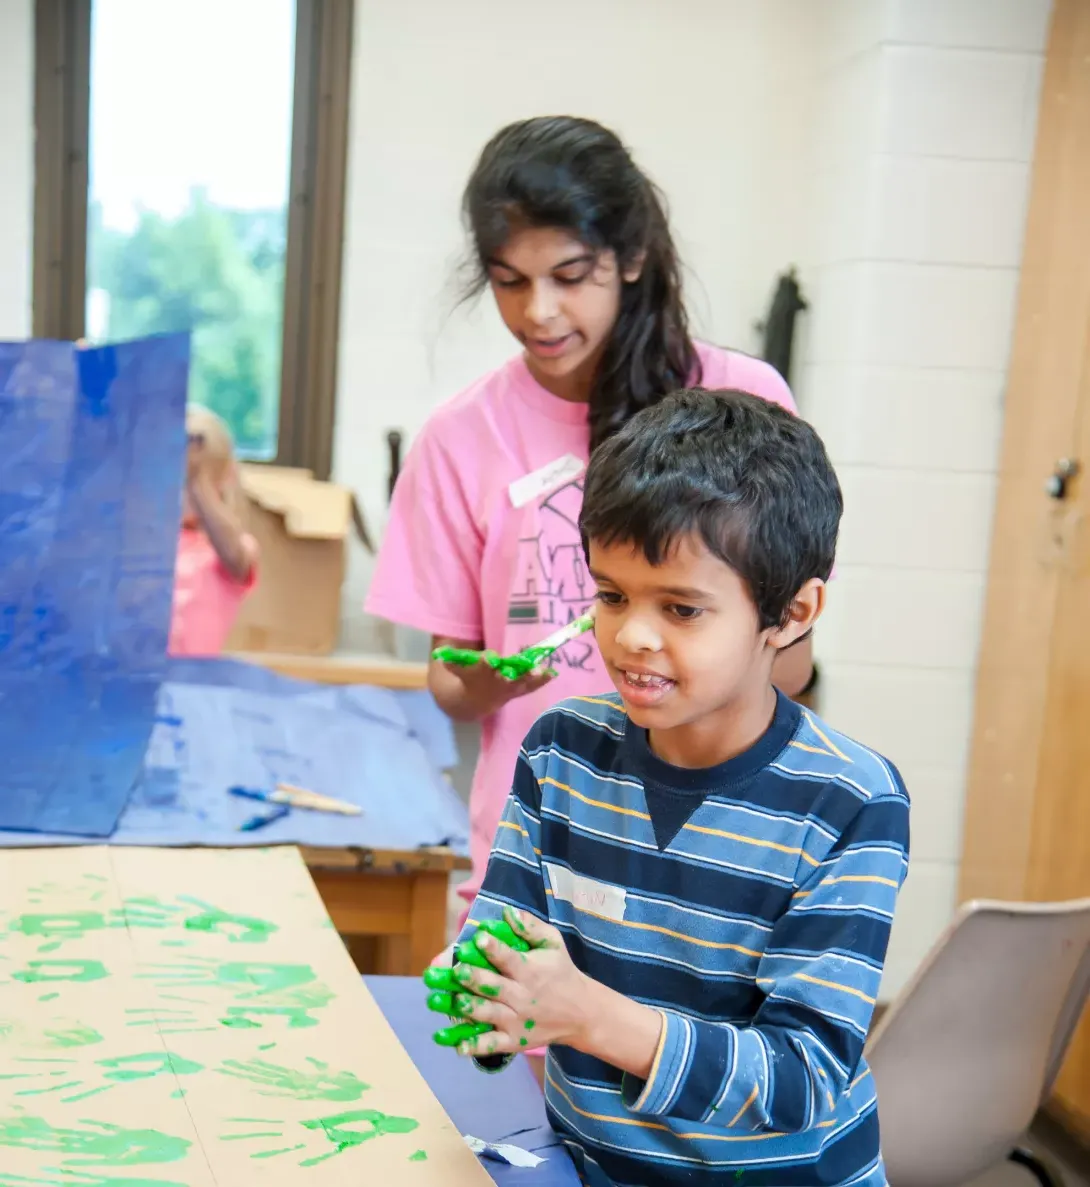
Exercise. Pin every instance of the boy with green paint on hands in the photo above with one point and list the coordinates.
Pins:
(703, 872)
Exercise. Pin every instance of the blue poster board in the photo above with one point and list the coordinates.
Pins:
(90, 486)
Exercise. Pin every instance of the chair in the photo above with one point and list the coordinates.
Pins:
(970, 1049)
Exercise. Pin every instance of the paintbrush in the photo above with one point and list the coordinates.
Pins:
(298, 797)
(301, 797)
(530, 659)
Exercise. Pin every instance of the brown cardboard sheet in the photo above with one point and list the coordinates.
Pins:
(191, 1019)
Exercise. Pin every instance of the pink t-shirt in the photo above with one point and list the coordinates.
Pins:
(471, 552)
(207, 597)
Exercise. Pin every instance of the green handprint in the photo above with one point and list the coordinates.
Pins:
(272, 1079)
(240, 929)
(344, 1139)
(95, 1143)
(245, 979)
(61, 970)
(69, 1178)
(286, 990)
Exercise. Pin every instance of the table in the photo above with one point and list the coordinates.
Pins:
(384, 875)
(396, 898)
(508, 1106)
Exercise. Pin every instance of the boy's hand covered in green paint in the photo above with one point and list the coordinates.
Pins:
(533, 998)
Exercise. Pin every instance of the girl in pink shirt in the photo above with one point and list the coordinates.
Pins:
(216, 566)
(482, 548)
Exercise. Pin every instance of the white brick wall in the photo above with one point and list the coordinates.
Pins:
(926, 119)
(17, 170)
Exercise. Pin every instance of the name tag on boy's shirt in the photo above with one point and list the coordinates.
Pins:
(545, 480)
(585, 894)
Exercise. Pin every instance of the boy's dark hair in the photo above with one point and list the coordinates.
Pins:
(750, 479)
(560, 171)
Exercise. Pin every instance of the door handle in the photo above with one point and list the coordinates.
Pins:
(1057, 481)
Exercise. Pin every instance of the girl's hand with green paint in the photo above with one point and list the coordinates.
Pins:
(476, 691)
(532, 998)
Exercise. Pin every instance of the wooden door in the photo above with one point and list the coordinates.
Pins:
(1027, 821)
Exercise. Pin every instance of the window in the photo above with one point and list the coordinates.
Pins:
(187, 223)
(190, 175)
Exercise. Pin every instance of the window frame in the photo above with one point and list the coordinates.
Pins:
(315, 207)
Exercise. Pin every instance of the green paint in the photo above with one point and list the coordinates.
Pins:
(66, 924)
(176, 944)
(240, 1023)
(266, 1046)
(297, 1016)
(92, 1143)
(282, 1150)
(451, 1036)
(265, 978)
(48, 997)
(76, 1035)
(437, 977)
(144, 1066)
(467, 952)
(460, 657)
(441, 1003)
(241, 1137)
(336, 1131)
(68, 1100)
(239, 929)
(523, 663)
(258, 977)
(61, 970)
(529, 1024)
(419, 1156)
(501, 930)
(487, 990)
(71, 1178)
(465, 1004)
(318, 1082)
(53, 1088)
(288, 990)
(522, 1042)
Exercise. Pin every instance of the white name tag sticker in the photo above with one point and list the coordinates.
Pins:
(586, 894)
(539, 483)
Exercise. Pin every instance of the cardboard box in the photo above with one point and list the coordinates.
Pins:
(190, 1016)
(302, 526)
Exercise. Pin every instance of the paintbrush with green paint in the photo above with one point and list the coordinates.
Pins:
(446, 988)
(522, 663)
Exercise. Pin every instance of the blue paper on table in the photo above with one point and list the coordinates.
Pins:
(222, 723)
(497, 1109)
(93, 449)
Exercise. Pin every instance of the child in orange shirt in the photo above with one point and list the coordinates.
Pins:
(216, 565)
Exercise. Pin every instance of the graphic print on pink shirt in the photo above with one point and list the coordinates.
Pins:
(460, 560)
(552, 585)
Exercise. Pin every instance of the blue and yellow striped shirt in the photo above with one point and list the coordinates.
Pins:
(749, 903)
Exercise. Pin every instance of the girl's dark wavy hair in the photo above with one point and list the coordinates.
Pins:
(560, 171)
